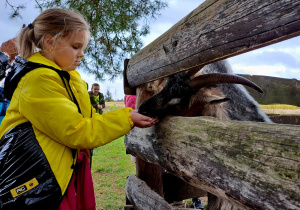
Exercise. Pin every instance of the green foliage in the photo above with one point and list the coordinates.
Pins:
(108, 96)
(113, 107)
(116, 30)
(110, 169)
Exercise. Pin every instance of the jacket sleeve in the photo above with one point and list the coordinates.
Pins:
(44, 101)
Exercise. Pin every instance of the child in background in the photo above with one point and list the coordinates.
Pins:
(97, 98)
(130, 101)
(57, 39)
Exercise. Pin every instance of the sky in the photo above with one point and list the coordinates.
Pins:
(277, 60)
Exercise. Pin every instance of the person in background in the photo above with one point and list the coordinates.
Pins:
(4, 65)
(8, 52)
(97, 98)
(10, 48)
(130, 101)
(52, 98)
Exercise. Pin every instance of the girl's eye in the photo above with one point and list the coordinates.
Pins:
(75, 47)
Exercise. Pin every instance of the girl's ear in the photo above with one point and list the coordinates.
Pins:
(48, 42)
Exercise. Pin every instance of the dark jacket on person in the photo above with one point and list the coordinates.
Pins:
(95, 104)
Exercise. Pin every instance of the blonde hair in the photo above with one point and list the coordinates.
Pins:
(57, 22)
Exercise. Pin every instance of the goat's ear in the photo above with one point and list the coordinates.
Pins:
(174, 101)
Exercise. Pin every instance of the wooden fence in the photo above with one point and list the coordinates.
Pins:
(249, 165)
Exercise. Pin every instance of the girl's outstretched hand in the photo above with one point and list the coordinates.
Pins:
(142, 121)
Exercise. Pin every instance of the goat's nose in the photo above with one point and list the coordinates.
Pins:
(142, 111)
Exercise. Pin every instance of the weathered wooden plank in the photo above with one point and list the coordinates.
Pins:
(286, 119)
(251, 164)
(151, 174)
(176, 189)
(142, 197)
(216, 30)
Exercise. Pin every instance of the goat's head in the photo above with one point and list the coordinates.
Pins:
(176, 96)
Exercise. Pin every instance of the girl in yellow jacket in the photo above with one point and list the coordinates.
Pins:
(47, 92)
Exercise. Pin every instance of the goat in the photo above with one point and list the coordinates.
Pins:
(207, 93)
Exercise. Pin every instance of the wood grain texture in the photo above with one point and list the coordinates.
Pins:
(142, 197)
(216, 30)
(255, 165)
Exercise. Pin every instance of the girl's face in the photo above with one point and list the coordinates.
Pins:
(68, 52)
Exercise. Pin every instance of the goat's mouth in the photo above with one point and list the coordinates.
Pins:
(143, 113)
(147, 114)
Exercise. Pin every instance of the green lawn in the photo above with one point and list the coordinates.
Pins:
(279, 106)
(110, 168)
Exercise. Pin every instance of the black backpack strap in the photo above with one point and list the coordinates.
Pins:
(65, 77)
(24, 66)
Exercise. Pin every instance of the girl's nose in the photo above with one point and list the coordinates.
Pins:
(81, 54)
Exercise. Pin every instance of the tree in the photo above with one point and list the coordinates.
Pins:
(108, 96)
(116, 29)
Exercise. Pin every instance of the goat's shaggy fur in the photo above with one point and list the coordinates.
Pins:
(224, 101)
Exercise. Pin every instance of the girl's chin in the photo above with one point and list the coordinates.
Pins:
(71, 68)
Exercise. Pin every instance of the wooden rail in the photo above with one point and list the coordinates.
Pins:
(250, 165)
(253, 165)
(216, 30)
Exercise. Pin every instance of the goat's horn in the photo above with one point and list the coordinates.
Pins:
(221, 78)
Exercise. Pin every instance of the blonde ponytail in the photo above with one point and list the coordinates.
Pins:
(25, 42)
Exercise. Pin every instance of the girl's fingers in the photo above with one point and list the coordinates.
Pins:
(142, 121)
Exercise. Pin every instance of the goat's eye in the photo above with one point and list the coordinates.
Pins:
(149, 87)
(211, 86)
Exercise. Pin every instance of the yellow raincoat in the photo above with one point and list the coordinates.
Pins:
(42, 99)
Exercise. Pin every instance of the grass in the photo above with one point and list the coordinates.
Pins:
(110, 106)
(281, 109)
(111, 166)
(279, 106)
